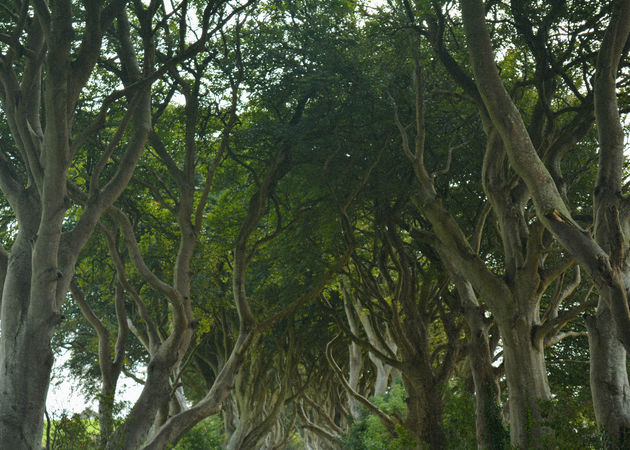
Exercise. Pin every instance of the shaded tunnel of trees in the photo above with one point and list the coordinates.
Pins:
(322, 224)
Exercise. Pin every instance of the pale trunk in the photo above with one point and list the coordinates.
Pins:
(383, 370)
(355, 358)
(239, 435)
(609, 379)
(356, 365)
(26, 357)
(491, 433)
(178, 425)
(247, 410)
(258, 413)
(382, 375)
(527, 383)
(230, 420)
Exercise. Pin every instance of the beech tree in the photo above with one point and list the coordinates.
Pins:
(514, 290)
(239, 164)
(49, 54)
(602, 254)
(45, 67)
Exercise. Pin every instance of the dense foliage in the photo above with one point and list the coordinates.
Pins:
(315, 224)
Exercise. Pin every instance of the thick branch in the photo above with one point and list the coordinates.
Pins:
(389, 423)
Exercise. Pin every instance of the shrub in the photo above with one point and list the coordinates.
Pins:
(206, 435)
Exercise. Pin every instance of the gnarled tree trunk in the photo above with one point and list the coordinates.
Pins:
(25, 355)
(424, 408)
(609, 379)
(526, 377)
(491, 432)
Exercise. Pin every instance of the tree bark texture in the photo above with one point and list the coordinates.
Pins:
(527, 383)
(40, 111)
(491, 432)
(609, 379)
(25, 355)
(424, 408)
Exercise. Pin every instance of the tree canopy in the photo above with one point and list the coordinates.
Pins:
(315, 224)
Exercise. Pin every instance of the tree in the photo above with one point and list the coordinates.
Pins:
(421, 320)
(514, 288)
(234, 162)
(49, 54)
(44, 70)
(602, 255)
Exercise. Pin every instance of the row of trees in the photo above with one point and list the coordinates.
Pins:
(280, 211)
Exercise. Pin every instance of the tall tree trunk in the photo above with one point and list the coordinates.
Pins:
(355, 361)
(26, 357)
(355, 356)
(245, 424)
(424, 410)
(527, 382)
(25, 375)
(383, 371)
(608, 342)
(491, 433)
(230, 420)
(609, 379)
(106, 411)
(155, 394)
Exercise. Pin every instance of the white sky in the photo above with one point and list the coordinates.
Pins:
(64, 396)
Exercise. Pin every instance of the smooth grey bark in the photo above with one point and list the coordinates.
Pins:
(527, 382)
(110, 368)
(40, 112)
(381, 341)
(547, 198)
(608, 346)
(230, 420)
(609, 378)
(260, 393)
(20, 414)
(178, 425)
(552, 210)
(513, 298)
(324, 416)
(389, 422)
(355, 357)
(384, 343)
(604, 256)
(490, 429)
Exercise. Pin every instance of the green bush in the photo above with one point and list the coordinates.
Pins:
(74, 432)
(369, 433)
(458, 418)
(570, 424)
(206, 435)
